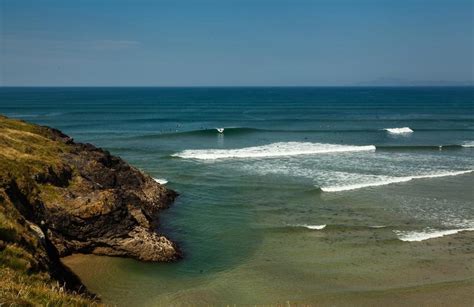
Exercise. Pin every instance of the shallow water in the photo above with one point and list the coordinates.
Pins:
(253, 199)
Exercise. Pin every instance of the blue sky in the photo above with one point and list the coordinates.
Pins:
(224, 42)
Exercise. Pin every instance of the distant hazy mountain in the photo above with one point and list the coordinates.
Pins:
(404, 82)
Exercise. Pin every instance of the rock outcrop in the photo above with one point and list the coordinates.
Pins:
(70, 197)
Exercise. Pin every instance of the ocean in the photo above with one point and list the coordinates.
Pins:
(310, 194)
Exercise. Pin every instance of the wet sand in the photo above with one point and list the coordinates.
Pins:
(314, 269)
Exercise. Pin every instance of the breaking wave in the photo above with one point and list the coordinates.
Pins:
(414, 236)
(389, 180)
(403, 130)
(271, 150)
(419, 147)
(161, 181)
(313, 227)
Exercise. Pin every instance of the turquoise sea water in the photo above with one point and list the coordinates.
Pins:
(304, 195)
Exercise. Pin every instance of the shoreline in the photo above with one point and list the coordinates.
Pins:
(412, 288)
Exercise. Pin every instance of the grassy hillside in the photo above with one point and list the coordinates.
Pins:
(30, 270)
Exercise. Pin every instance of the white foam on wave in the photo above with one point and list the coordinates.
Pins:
(468, 144)
(313, 227)
(271, 150)
(416, 236)
(389, 180)
(161, 181)
(403, 130)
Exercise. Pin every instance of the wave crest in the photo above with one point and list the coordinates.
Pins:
(161, 181)
(403, 130)
(390, 180)
(271, 150)
(313, 227)
(415, 236)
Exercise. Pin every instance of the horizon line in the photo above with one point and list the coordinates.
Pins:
(229, 86)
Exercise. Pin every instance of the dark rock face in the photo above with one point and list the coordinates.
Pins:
(105, 206)
(89, 201)
(42, 254)
(58, 197)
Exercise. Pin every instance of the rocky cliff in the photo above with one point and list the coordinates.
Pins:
(59, 197)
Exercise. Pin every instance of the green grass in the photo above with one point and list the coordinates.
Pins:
(21, 289)
(26, 150)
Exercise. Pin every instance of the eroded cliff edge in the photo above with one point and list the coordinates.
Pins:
(59, 197)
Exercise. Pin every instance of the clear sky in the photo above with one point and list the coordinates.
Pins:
(224, 42)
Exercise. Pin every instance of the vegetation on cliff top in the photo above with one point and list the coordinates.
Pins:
(59, 197)
(26, 266)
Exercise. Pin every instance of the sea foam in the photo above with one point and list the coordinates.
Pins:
(403, 130)
(412, 236)
(468, 144)
(271, 150)
(161, 181)
(389, 180)
(313, 227)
